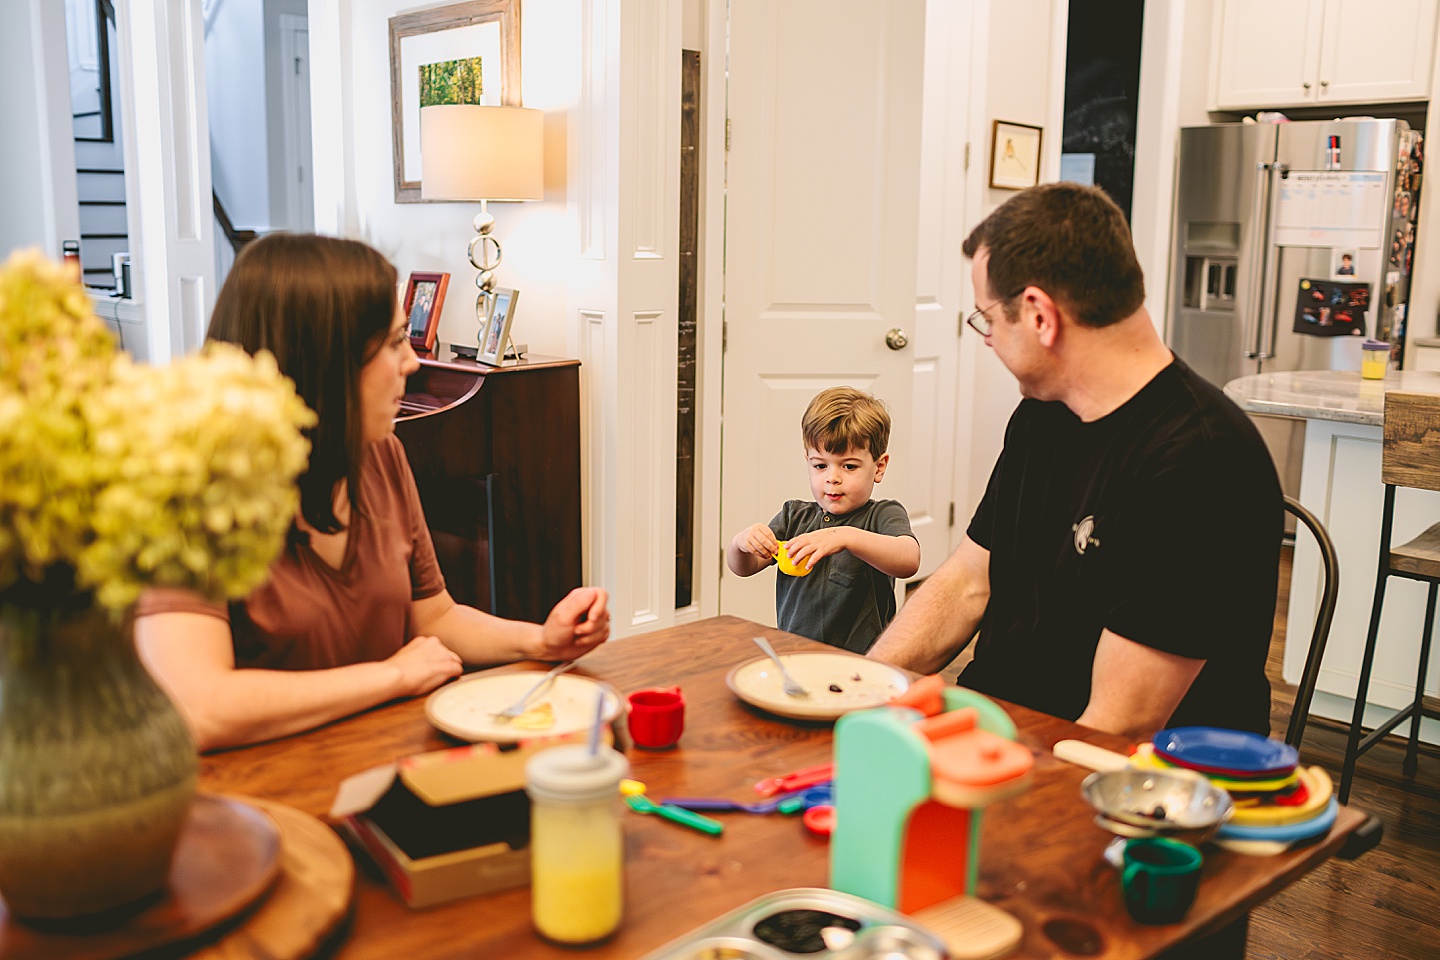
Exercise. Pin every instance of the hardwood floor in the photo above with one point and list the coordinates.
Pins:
(1386, 903)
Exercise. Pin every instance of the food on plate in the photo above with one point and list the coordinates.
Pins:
(538, 717)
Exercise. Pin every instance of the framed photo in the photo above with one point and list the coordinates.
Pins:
(497, 326)
(1015, 156)
(460, 53)
(424, 296)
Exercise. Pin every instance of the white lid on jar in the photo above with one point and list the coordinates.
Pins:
(573, 774)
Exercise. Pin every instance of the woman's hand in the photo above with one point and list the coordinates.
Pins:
(423, 664)
(578, 624)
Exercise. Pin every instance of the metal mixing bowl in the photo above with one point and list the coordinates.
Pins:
(1167, 802)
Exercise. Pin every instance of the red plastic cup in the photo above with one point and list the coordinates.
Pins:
(657, 716)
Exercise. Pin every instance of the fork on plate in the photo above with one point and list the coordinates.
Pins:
(519, 706)
(792, 687)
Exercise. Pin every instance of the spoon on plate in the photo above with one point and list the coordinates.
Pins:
(792, 688)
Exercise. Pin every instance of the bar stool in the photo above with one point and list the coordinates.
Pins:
(1410, 458)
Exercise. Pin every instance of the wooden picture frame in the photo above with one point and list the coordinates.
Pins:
(496, 335)
(456, 31)
(424, 296)
(1015, 155)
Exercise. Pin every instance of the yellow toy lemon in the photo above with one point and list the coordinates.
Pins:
(786, 565)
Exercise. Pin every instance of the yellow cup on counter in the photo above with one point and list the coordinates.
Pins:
(1374, 359)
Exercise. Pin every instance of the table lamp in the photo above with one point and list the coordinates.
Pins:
(472, 152)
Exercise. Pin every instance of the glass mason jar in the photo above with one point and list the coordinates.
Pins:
(576, 845)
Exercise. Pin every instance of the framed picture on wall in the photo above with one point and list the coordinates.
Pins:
(1015, 155)
(424, 296)
(459, 53)
(497, 326)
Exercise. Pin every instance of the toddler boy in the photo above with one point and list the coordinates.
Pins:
(854, 547)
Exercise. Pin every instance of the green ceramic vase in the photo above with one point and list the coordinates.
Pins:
(97, 768)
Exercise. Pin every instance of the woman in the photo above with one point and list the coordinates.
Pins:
(326, 636)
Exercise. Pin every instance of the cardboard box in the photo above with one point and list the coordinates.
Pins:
(447, 824)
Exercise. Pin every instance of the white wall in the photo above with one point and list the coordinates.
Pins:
(1174, 87)
(1021, 87)
(355, 197)
(38, 204)
(235, 95)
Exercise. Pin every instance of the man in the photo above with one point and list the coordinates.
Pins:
(1121, 568)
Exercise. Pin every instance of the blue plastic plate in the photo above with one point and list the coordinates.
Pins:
(1218, 748)
(1291, 831)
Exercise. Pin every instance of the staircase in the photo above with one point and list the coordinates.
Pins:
(100, 174)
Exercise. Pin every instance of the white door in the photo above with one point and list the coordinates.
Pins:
(295, 64)
(822, 202)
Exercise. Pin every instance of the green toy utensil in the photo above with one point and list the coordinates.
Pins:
(695, 821)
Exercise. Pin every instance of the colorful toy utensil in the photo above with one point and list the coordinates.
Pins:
(695, 821)
(718, 804)
(798, 780)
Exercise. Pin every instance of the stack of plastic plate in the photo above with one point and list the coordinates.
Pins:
(1278, 804)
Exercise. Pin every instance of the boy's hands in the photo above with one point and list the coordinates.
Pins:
(808, 549)
(759, 541)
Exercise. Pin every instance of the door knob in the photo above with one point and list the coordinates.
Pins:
(895, 339)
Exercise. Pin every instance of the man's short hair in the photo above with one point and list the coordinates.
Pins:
(841, 418)
(1069, 240)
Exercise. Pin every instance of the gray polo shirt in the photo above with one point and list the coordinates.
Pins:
(843, 601)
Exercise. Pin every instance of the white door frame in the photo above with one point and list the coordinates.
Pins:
(165, 123)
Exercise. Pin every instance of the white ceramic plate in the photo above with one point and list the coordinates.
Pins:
(463, 709)
(759, 683)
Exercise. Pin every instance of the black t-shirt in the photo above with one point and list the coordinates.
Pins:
(1160, 521)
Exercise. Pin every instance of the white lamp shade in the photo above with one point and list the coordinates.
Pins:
(470, 152)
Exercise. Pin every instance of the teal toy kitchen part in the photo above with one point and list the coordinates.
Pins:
(911, 782)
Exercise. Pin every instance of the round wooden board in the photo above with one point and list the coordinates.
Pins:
(311, 898)
(227, 858)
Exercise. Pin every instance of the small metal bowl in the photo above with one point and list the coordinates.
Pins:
(1167, 802)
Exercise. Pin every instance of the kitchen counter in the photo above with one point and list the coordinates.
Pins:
(1336, 395)
(1343, 418)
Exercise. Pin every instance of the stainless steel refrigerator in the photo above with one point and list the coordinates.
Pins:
(1271, 219)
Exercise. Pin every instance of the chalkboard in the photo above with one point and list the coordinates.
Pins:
(1102, 90)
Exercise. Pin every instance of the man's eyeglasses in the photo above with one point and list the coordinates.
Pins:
(979, 320)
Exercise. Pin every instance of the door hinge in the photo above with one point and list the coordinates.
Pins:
(967, 154)
(727, 134)
(959, 323)
(952, 513)
(724, 335)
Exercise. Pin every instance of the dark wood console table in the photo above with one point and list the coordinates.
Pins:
(496, 455)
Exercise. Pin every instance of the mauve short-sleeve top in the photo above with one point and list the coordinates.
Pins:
(312, 616)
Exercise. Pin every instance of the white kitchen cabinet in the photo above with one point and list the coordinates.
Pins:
(1291, 53)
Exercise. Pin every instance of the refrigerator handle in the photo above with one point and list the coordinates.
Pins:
(1259, 203)
(1270, 293)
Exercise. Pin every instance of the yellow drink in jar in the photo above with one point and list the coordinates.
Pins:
(577, 886)
(576, 844)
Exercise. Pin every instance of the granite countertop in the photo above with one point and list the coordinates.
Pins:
(1325, 394)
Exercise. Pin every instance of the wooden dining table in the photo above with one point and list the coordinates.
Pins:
(1040, 854)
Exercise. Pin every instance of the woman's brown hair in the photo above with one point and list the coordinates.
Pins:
(322, 306)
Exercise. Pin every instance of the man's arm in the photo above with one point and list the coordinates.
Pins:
(1134, 689)
(943, 615)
